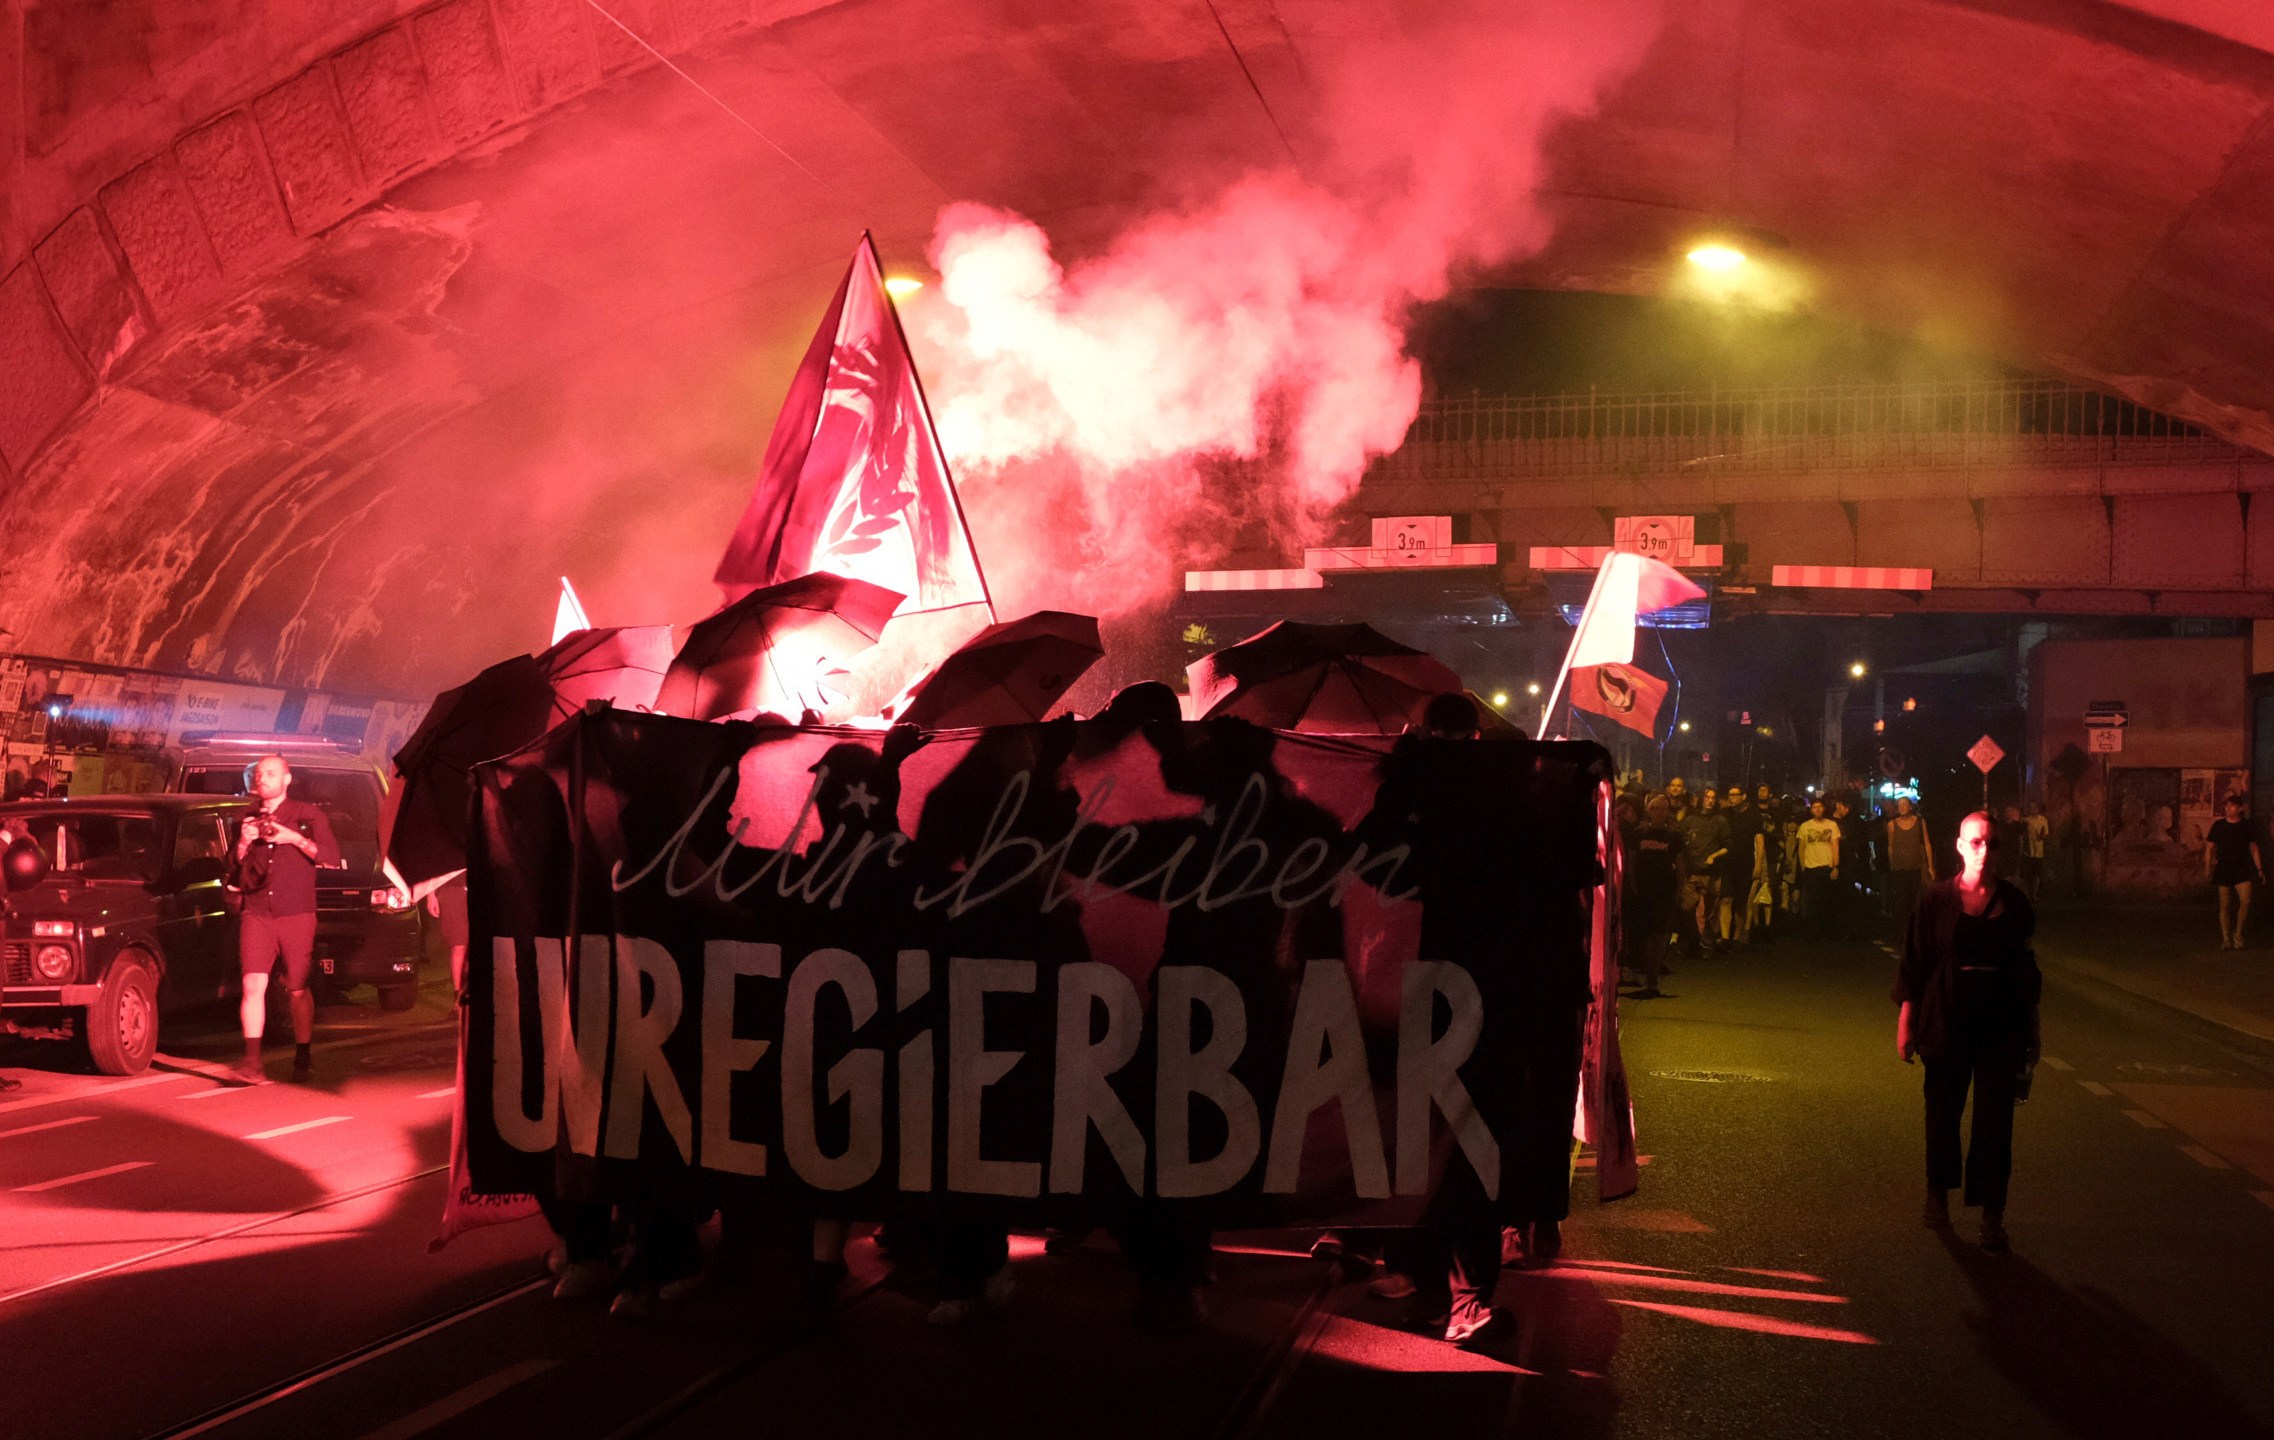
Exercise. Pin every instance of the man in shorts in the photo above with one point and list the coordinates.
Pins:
(280, 846)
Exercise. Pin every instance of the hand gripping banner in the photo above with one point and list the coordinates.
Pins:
(1033, 973)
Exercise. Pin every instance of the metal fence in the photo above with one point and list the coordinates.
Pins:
(2019, 422)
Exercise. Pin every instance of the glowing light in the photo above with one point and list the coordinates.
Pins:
(1717, 257)
(1499, 698)
(1684, 727)
(900, 287)
(1910, 702)
(1878, 727)
(1533, 688)
(1856, 669)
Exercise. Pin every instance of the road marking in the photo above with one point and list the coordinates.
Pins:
(2144, 1120)
(217, 1090)
(296, 1129)
(50, 1125)
(2094, 1087)
(458, 1402)
(97, 1088)
(438, 1094)
(58, 1184)
(230, 1232)
(2056, 1064)
(2205, 1158)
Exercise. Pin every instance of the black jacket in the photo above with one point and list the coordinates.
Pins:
(1974, 988)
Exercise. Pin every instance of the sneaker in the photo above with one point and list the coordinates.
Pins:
(584, 1280)
(303, 1065)
(1477, 1333)
(1390, 1285)
(1994, 1239)
(1349, 1263)
(1935, 1214)
(681, 1288)
(633, 1302)
(994, 1294)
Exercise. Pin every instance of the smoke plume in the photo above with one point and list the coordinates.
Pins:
(1219, 375)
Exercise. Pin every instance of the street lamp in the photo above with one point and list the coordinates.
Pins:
(1684, 727)
(1533, 688)
(1499, 699)
(1855, 670)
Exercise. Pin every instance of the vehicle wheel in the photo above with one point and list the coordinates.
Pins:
(398, 997)
(122, 1025)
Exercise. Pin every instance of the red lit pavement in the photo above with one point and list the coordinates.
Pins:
(1770, 1280)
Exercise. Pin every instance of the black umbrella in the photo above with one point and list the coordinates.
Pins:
(1007, 674)
(1326, 679)
(766, 650)
(623, 666)
(495, 713)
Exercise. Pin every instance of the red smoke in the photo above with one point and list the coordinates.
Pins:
(1222, 371)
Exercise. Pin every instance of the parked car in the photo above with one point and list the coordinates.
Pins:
(118, 919)
(367, 931)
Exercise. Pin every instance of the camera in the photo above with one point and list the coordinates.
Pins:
(267, 827)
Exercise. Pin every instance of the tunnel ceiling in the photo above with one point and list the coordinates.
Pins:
(327, 343)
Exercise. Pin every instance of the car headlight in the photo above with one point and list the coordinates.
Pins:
(54, 962)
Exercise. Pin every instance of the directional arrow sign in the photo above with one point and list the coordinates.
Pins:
(1985, 754)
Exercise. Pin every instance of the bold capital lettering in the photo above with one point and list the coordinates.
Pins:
(726, 1054)
(972, 1068)
(1083, 1097)
(914, 982)
(573, 1062)
(514, 1123)
(1429, 1073)
(860, 1075)
(1208, 1073)
(641, 1069)
(1326, 1012)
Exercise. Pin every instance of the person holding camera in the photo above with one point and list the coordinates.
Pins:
(280, 846)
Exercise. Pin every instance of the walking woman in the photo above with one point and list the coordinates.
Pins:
(2231, 862)
(1968, 987)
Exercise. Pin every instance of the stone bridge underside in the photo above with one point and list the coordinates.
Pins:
(329, 335)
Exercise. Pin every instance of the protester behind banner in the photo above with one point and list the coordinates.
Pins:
(697, 951)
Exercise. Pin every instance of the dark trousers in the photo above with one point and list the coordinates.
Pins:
(1903, 898)
(1454, 1268)
(965, 1254)
(1993, 1074)
(1819, 901)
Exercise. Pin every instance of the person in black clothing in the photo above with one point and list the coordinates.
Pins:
(1968, 987)
(280, 846)
(1654, 890)
(2231, 862)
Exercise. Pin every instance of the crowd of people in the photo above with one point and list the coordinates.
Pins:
(1713, 869)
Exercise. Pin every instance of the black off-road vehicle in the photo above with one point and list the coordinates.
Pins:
(122, 920)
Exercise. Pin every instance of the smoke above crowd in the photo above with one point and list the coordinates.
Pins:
(1218, 375)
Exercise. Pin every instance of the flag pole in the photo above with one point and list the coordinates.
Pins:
(1563, 672)
(924, 403)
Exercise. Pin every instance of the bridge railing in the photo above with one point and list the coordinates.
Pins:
(1853, 427)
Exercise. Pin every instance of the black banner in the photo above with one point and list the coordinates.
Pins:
(1034, 972)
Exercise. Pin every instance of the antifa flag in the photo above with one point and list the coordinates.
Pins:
(1037, 973)
(854, 481)
(1628, 694)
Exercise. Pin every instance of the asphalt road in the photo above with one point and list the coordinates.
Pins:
(178, 1257)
